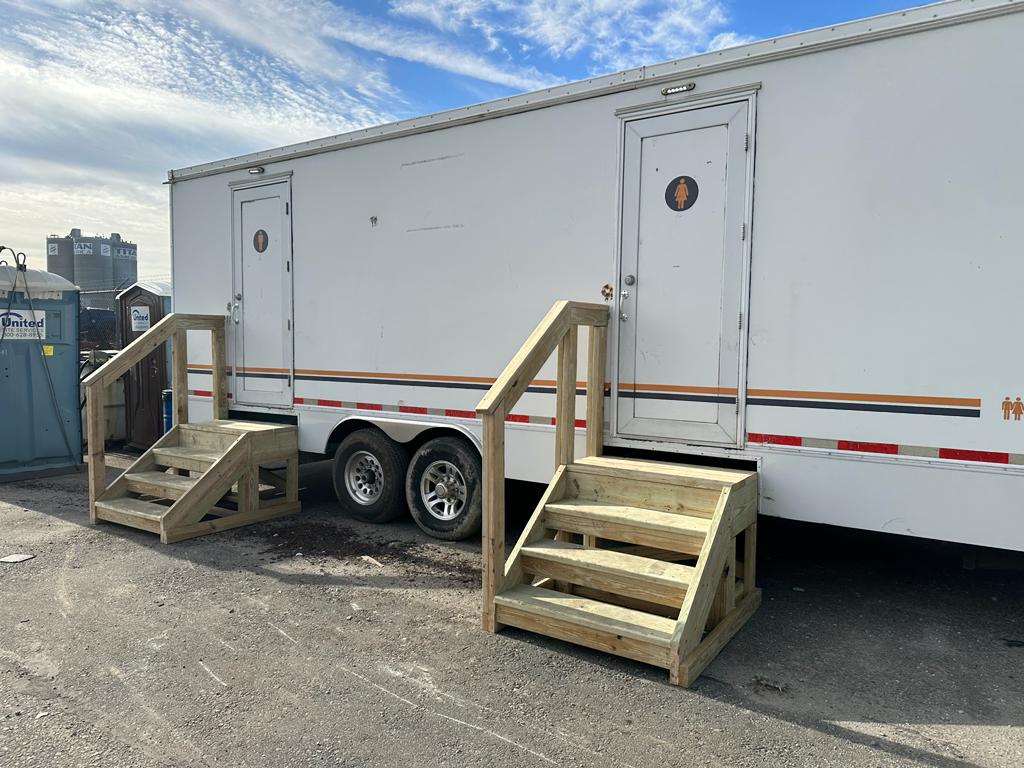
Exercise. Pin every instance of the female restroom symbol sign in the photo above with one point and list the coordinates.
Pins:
(681, 193)
(260, 240)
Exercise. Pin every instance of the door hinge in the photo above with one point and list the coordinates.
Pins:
(290, 323)
(741, 321)
(287, 266)
(746, 142)
(743, 231)
(287, 208)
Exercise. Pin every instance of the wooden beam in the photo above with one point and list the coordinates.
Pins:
(493, 545)
(148, 342)
(218, 359)
(210, 487)
(596, 361)
(291, 479)
(513, 381)
(750, 557)
(693, 616)
(565, 399)
(96, 433)
(725, 597)
(534, 531)
(179, 376)
(690, 666)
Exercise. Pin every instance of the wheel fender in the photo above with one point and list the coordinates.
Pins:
(407, 430)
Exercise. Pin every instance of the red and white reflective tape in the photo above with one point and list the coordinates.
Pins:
(890, 449)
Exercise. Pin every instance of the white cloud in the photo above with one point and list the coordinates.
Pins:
(101, 97)
(611, 34)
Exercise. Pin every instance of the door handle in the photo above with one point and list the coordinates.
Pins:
(234, 311)
(623, 317)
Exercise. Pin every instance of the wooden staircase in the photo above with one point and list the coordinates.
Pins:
(198, 478)
(206, 477)
(646, 560)
(649, 560)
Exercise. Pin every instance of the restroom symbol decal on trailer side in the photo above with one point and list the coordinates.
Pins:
(1013, 408)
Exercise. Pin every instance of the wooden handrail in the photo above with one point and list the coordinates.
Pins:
(557, 330)
(174, 326)
(139, 349)
(538, 347)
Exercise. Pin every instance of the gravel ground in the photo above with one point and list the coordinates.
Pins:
(318, 641)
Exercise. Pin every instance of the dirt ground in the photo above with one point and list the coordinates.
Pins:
(317, 641)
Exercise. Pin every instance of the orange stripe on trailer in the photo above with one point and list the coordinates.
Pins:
(797, 394)
(402, 376)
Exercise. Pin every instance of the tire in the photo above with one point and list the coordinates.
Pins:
(369, 475)
(453, 465)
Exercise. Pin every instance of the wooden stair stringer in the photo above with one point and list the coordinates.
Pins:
(147, 461)
(211, 486)
(697, 605)
(535, 530)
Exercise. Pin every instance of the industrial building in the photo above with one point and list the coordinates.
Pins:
(100, 266)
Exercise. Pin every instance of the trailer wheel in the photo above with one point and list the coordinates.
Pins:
(443, 489)
(369, 472)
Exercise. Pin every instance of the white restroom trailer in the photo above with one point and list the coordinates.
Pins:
(810, 248)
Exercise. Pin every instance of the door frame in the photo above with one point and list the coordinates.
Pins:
(233, 339)
(741, 94)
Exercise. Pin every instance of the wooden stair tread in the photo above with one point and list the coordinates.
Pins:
(665, 471)
(633, 515)
(610, 570)
(234, 426)
(131, 512)
(156, 483)
(181, 457)
(132, 506)
(635, 525)
(635, 634)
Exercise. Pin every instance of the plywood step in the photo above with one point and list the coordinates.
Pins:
(159, 484)
(133, 512)
(183, 457)
(604, 627)
(635, 525)
(654, 581)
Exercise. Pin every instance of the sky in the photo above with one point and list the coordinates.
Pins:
(99, 99)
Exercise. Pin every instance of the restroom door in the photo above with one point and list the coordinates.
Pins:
(262, 295)
(681, 272)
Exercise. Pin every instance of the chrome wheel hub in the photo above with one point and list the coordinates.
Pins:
(364, 477)
(443, 490)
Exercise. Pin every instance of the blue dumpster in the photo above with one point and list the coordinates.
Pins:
(40, 422)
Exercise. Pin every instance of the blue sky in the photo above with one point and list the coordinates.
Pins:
(101, 98)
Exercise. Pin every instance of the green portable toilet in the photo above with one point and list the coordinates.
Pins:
(40, 426)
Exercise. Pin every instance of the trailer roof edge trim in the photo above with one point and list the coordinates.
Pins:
(894, 24)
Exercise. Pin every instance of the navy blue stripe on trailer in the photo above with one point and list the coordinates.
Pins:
(687, 397)
(833, 405)
(776, 402)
